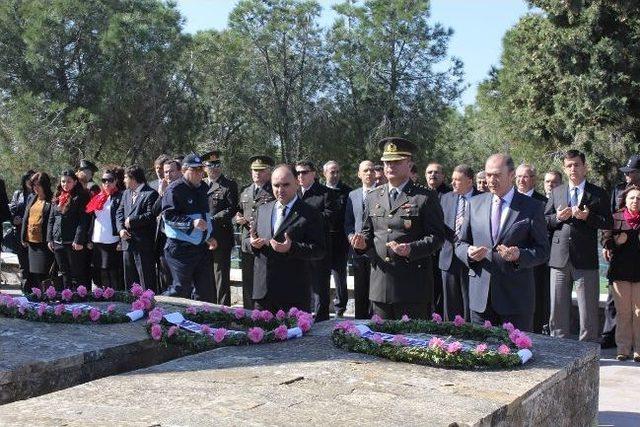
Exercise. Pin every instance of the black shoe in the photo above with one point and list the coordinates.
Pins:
(607, 342)
(340, 312)
(622, 357)
(636, 357)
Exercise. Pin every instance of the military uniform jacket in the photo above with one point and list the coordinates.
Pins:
(415, 218)
(248, 207)
(222, 197)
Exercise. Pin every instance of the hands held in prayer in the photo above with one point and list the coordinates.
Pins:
(283, 247)
(509, 253)
(357, 241)
(213, 244)
(254, 240)
(572, 211)
(477, 253)
(400, 249)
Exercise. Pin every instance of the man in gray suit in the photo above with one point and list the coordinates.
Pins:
(503, 237)
(353, 224)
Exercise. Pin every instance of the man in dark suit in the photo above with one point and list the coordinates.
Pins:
(403, 226)
(338, 240)
(354, 212)
(252, 196)
(455, 274)
(136, 224)
(158, 168)
(285, 238)
(434, 175)
(526, 183)
(574, 213)
(323, 200)
(503, 238)
(223, 205)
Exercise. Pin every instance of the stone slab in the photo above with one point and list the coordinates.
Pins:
(38, 357)
(309, 381)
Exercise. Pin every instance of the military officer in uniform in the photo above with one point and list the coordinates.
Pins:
(253, 195)
(404, 225)
(223, 203)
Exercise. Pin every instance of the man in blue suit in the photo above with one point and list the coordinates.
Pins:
(455, 274)
(353, 224)
(503, 237)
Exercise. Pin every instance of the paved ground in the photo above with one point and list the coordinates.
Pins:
(619, 381)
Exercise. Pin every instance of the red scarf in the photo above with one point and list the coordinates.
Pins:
(633, 219)
(63, 199)
(97, 202)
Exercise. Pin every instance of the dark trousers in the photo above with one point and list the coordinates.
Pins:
(110, 273)
(524, 322)
(455, 291)
(221, 266)
(361, 281)
(543, 299)
(139, 267)
(246, 263)
(395, 311)
(339, 252)
(320, 288)
(23, 262)
(72, 265)
(438, 298)
(190, 269)
(163, 274)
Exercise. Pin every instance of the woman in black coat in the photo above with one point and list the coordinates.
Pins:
(67, 231)
(16, 207)
(103, 233)
(33, 237)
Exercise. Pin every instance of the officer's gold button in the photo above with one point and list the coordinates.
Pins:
(388, 230)
(387, 259)
(390, 216)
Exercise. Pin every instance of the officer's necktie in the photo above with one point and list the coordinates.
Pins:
(574, 197)
(256, 190)
(394, 194)
(462, 206)
(280, 216)
(496, 216)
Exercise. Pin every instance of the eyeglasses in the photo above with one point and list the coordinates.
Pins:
(108, 180)
(304, 172)
(213, 164)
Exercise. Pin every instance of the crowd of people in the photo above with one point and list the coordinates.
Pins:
(488, 247)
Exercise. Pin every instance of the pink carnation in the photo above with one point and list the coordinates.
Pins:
(207, 308)
(523, 341)
(281, 315)
(266, 315)
(377, 338)
(238, 312)
(156, 332)
(508, 326)
(82, 291)
(458, 321)
(377, 319)
(111, 308)
(281, 332)
(58, 309)
(487, 324)
(206, 329)
(148, 294)
(66, 294)
(219, 334)
(136, 290)
(22, 309)
(172, 330)
(436, 318)
(191, 310)
(255, 334)
(11, 302)
(454, 347)
(146, 303)
(51, 292)
(37, 292)
(405, 318)
(436, 342)
(503, 349)
(42, 308)
(224, 309)
(94, 314)
(137, 305)
(293, 311)
(97, 293)
(155, 315)
(304, 323)
(481, 348)
(255, 315)
(108, 293)
(400, 340)
(76, 312)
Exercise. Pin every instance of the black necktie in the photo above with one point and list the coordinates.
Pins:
(394, 194)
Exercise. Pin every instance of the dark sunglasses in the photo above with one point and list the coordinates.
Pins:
(298, 173)
(108, 180)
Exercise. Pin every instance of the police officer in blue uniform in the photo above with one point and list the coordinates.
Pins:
(189, 230)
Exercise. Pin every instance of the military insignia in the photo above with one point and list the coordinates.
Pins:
(392, 148)
(377, 206)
